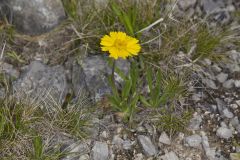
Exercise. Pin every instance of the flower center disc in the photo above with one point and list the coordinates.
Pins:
(120, 44)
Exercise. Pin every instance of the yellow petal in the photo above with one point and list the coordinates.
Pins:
(113, 52)
(107, 41)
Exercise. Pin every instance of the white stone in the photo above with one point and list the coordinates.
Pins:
(193, 141)
(224, 133)
(164, 138)
(169, 156)
(222, 77)
(148, 148)
(100, 151)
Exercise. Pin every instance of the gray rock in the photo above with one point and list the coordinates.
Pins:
(220, 105)
(224, 133)
(164, 138)
(210, 83)
(237, 83)
(228, 84)
(100, 151)
(84, 157)
(35, 16)
(233, 67)
(139, 156)
(196, 97)
(195, 122)
(238, 102)
(117, 141)
(227, 113)
(9, 69)
(193, 141)
(210, 152)
(44, 83)
(78, 80)
(234, 122)
(216, 68)
(210, 6)
(148, 148)
(169, 156)
(183, 4)
(76, 149)
(127, 145)
(96, 70)
(222, 77)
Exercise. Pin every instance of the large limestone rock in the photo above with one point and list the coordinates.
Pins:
(42, 83)
(34, 16)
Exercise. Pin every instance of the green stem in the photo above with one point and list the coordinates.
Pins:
(113, 70)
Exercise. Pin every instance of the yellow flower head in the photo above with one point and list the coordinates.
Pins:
(118, 44)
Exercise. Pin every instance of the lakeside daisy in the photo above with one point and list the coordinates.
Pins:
(120, 45)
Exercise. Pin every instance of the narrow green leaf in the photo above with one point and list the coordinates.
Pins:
(126, 89)
(2, 124)
(149, 79)
(134, 75)
(113, 87)
(115, 103)
(38, 147)
(144, 101)
(128, 24)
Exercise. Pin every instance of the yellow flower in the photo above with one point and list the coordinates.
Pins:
(118, 44)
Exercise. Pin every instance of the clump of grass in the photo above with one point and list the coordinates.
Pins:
(70, 118)
(24, 123)
(16, 126)
(206, 43)
(71, 8)
(172, 122)
(163, 88)
(39, 151)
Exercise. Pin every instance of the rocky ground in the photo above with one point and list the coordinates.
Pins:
(213, 131)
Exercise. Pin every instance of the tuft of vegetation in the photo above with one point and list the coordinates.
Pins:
(125, 101)
(16, 126)
(161, 89)
(206, 43)
(39, 151)
(23, 126)
(172, 122)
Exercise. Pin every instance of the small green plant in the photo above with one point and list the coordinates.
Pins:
(71, 8)
(17, 121)
(15, 118)
(72, 119)
(39, 152)
(173, 122)
(127, 18)
(15, 57)
(125, 100)
(206, 43)
(162, 90)
(154, 99)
